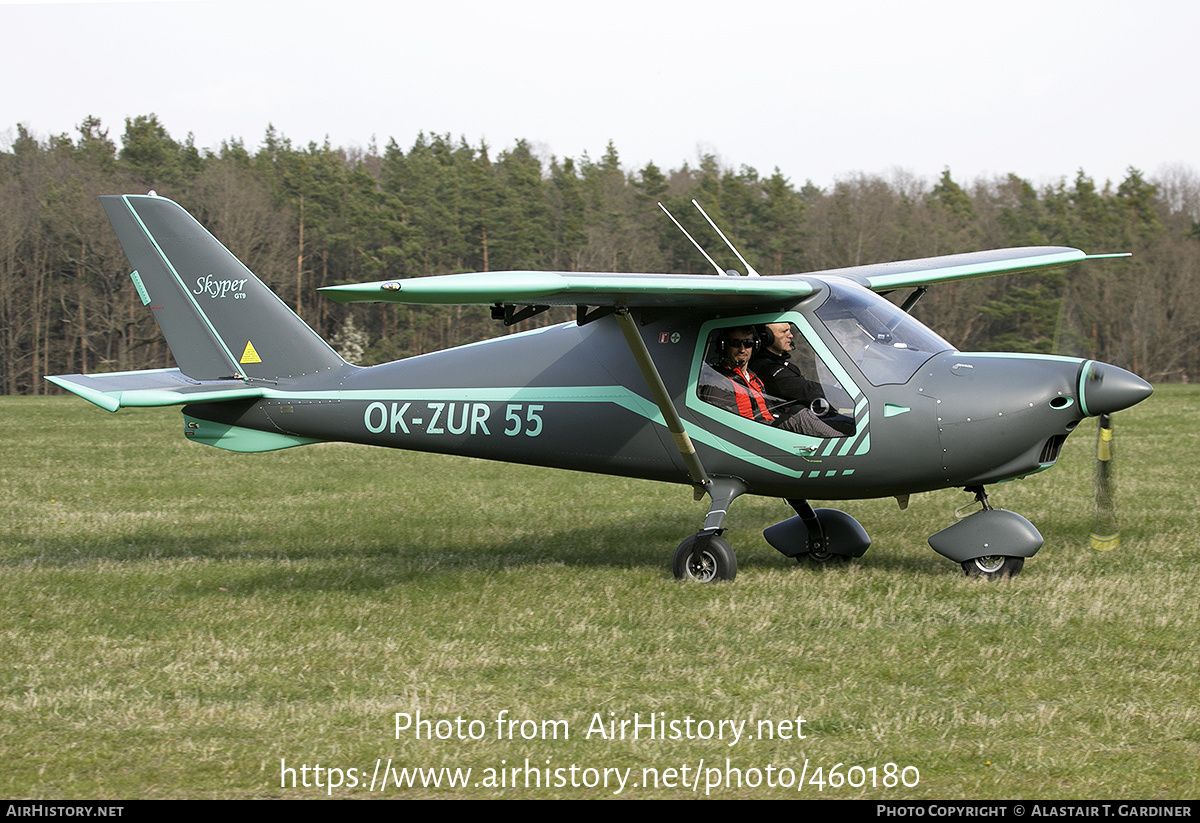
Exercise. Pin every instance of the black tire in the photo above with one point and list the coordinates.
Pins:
(993, 567)
(716, 562)
(822, 558)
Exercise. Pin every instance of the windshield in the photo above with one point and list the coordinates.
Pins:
(886, 343)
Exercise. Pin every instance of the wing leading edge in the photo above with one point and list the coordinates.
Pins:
(560, 288)
(627, 290)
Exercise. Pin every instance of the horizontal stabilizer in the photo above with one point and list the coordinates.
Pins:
(154, 387)
(562, 288)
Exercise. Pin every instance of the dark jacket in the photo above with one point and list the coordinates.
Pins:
(783, 379)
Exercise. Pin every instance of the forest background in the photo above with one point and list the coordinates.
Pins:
(317, 215)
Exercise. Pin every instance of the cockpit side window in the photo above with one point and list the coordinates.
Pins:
(769, 373)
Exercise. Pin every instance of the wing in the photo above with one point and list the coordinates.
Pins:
(170, 387)
(562, 288)
(927, 271)
(559, 288)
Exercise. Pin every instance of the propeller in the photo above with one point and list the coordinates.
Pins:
(1105, 536)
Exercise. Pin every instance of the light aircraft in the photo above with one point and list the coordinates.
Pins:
(631, 387)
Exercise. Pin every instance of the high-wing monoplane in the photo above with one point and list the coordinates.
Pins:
(644, 383)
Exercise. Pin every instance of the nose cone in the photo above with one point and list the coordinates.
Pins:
(1104, 388)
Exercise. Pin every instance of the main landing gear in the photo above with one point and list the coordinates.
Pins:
(816, 535)
(706, 557)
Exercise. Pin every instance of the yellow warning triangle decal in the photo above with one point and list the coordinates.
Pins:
(250, 355)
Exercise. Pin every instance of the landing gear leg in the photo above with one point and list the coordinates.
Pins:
(817, 552)
(980, 497)
(706, 556)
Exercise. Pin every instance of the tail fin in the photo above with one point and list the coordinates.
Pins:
(220, 321)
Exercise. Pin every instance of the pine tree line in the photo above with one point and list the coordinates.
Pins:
(305, 217)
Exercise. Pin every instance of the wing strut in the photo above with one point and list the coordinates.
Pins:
(662, 398)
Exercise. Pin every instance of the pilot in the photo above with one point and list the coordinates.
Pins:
(730, 384)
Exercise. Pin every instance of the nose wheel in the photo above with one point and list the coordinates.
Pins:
(991, 543)
(993, 566)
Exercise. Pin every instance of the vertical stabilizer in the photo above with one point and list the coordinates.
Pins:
(220, 321)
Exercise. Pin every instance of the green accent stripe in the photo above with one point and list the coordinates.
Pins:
(239, 439)
(782, 440)
(616, 395)
(864, 447)
(1004, 355)
(1084, 374)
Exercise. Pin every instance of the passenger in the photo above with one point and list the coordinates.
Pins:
(783, 379)
(774, 367)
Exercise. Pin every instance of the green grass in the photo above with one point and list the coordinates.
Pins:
(176, 620)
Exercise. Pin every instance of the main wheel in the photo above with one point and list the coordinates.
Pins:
(716, 562)
(993, 566)
(821, 558)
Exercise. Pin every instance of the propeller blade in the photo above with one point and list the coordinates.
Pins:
(1105, 534)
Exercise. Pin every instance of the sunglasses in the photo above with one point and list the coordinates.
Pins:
(741, 343)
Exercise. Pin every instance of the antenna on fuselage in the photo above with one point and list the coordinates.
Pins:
(699, 248)
(749, 269)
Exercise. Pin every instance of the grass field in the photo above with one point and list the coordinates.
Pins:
(182, 622)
